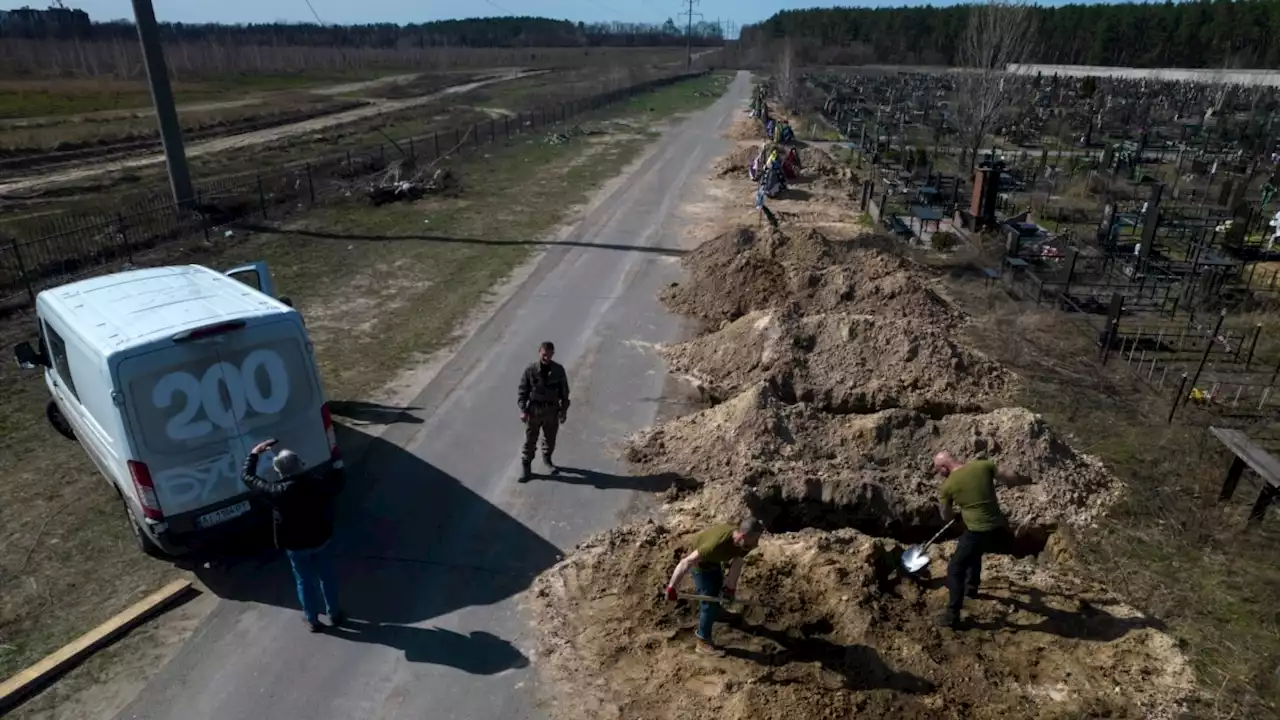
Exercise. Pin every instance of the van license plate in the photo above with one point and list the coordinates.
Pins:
(223, 515)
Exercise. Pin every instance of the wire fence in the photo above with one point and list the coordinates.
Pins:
(71, 246)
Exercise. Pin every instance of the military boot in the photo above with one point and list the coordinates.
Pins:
(551, 466)
(526, 469)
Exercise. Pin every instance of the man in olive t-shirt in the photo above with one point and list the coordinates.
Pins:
(971, 487)
(713, 548)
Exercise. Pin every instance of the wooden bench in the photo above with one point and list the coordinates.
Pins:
(1260, 461)
(989, 275)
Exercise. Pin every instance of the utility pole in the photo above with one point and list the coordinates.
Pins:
(688, 33)
(175, 155)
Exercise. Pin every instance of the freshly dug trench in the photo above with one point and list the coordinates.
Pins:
(756, 451)
(742, 270)
(841, 635)
(842, 363)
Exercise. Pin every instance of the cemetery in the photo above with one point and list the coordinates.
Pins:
(1144, 210)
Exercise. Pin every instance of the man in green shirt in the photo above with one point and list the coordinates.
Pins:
(713, 548)
(971, 487)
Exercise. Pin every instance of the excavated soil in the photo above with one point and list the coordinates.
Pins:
(834, 375)
(745, 127)
(842, 635)
(796, 466)
(842, 362)
(738, 160)
(742, 270)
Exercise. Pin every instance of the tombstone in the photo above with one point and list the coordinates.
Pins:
(986, 193)
(1108, 155)
(1150, 222)
(1224, 195)
(1104, 228)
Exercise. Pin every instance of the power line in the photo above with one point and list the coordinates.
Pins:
(499, 7)
(313, 12)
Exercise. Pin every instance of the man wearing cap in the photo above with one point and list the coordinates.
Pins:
(715, 547)
(302, 519)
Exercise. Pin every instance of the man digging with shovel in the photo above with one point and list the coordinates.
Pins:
(972, 487)
(713, 548)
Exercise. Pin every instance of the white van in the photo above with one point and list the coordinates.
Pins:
(167, 376)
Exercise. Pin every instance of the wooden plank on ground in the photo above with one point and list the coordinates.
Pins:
(18, 687)
(1259, 460)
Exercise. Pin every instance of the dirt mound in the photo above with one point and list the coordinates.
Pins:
(745, 128)
(841, 635)
(737, 161)
(796, 466)
(817, 161)
(742, 270)
(842, 362)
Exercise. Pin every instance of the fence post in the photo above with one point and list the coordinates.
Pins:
(123, 230)
(493, 130)
(506, 124)
(475, 131)
(413, 152)
(311, 185)
(262, 198)
(1177, 399)
(1208, 347)
(350, 170)
(1257, 331)
(22, 270)
(457, 139)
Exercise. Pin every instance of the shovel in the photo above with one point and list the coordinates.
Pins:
(714, 599)
(916, 556)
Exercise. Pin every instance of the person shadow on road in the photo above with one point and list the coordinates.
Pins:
(479, 653)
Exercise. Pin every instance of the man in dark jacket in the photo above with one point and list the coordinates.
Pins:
(544, 405)
(302, 514)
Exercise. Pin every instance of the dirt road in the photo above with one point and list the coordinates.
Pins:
(440, 539)
(33, 183)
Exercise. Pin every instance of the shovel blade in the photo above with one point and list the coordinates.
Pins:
(914, 559)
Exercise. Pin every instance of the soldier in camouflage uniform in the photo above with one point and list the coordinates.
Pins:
(544, 405)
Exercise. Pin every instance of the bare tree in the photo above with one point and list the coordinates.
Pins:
(788, 82)
(999, 33)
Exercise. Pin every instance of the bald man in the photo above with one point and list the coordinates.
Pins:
(971, 487)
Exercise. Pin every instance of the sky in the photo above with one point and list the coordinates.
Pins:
(410, 11)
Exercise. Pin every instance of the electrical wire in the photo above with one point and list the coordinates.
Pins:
(499, 7)
(313, 12)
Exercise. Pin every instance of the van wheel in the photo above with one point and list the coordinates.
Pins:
(54, 415)
(140, 537)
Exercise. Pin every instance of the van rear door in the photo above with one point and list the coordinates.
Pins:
(255, 275)
(196, 407)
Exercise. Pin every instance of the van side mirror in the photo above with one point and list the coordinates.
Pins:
(287, 301)
(28, 358)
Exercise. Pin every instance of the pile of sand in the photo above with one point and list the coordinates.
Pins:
(818, 162)
(743, 270)
(737, 161)
(797, 466)
(842, 362)
(841, 634)
(836, 374)
(746, 127)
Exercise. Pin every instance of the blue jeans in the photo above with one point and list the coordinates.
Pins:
(311, 568)
(708, 582)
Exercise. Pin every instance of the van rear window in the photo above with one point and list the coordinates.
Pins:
(209, 395)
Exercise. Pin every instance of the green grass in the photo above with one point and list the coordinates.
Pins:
(381, 288)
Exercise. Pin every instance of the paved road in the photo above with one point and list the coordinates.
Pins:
(440, 537)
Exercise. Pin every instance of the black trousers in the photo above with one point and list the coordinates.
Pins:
(964, 572)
